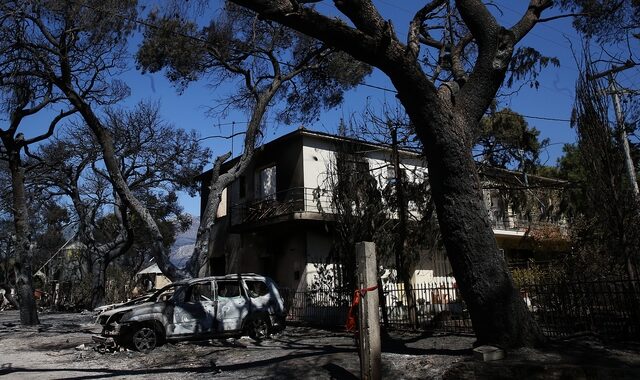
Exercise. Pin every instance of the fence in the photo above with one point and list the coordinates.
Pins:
(610, 308)
(438, 306)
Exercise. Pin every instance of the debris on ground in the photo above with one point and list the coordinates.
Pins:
(61, 348)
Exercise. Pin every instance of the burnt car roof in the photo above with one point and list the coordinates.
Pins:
(234, 276)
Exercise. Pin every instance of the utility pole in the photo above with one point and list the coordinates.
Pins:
(628, 162)
(614, 91)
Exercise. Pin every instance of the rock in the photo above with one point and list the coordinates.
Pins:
(82, 347)
(488, 353)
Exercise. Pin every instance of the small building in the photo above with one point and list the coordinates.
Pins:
(154, 275)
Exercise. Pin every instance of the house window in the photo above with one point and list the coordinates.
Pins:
(266, 183)
(391, 174)
(361, 167)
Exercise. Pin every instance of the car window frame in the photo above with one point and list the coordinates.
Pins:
(240, 283)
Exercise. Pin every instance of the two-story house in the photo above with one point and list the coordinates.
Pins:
(270, 219)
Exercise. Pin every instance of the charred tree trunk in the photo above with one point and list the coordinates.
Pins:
(498, 313)
(221, 181)
(24, 255)
(98, 282)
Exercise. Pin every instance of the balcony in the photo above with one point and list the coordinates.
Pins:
(307, 203)
(296, 203)
(517, 226)
(510, 224)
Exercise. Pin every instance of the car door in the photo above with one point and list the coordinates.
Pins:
(259, 295)
(232, 305)
(194, 312)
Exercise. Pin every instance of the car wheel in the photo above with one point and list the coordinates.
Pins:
(144, 339)
(258, 328)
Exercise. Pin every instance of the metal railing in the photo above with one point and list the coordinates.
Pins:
(610, 308)
(509, 223)
(438, 306)
(298, 199)
(310, 200)
(516, 223)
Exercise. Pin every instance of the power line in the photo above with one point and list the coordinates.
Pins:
(539, 117)
(377, 87)
(201, 40)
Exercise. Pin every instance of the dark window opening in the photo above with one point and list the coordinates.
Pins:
(242, 184)
(267, 265)
(217, 266)
(199, 293)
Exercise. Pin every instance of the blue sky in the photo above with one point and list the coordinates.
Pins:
(553, 99)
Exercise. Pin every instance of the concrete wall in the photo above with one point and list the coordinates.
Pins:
(291, 260)
(280, 255)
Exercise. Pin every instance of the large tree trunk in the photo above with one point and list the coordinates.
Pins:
(23, 269)
(498, 313)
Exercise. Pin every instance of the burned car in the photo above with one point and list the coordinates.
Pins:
(134, 301)
(201, 308)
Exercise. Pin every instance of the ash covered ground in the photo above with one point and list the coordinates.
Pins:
(53, 350)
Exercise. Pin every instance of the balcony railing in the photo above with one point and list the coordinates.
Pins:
(285, 202)
(309, 200)
(517, 224)
(509, 223)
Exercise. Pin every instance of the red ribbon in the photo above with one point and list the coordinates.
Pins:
(351, 318)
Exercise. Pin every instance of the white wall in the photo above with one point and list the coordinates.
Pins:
(318, 157)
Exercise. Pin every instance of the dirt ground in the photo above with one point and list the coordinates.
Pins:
(49, 351)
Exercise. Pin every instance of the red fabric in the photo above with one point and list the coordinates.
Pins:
(351, 318)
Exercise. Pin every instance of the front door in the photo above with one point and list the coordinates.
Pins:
(232, 305)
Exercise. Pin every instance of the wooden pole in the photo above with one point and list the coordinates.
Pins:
(368, 316)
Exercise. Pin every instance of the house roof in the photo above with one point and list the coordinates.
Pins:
(486, 170)
(151, 269)
(319, 135)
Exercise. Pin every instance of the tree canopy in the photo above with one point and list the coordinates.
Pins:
(447, 70)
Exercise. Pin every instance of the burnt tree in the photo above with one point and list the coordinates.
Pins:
(273, 64)
(444, 111)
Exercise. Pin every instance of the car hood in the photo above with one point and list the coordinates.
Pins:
(111, 312)
(104, 308)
